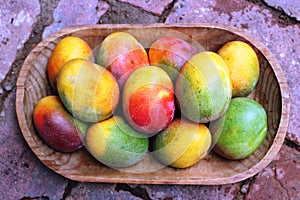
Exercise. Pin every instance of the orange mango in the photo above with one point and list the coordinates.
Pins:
(87, 90)
(66, 49)
(182, 144)
(243, 67)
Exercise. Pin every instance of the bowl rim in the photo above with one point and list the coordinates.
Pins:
(281, 80)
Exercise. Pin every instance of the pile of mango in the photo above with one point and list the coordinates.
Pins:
(171, 100)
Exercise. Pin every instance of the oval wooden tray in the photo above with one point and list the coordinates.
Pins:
(271, 91)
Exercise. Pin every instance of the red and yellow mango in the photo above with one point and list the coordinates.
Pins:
(121, 54)
(171, 54)
(148, 100)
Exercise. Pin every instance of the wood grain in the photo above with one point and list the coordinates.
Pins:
(271, 91)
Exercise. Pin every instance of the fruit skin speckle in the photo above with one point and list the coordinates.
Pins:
(241, 130)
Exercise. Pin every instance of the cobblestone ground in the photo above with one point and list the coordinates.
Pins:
(24, 23)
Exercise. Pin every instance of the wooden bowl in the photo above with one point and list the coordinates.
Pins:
(271, 91)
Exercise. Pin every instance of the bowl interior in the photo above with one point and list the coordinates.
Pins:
(33, 84)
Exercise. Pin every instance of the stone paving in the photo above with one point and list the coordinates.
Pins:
(25, 23)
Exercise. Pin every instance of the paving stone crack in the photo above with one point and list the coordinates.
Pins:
(68, 189)
(166, 12)
(137, 191)
(289, 159)
(35, 198)
(250, 183)
(245, 186)
(284, 18)
(110, 7)
(291, 144)
(130, 5)
(43, 19)
(282, 11)
(280, 183)
(121, 13)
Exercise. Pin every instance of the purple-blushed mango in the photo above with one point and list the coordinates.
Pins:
(57, 128)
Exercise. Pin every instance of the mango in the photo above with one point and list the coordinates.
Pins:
(243, 66)
(171, 54)
(121, 54)
(203, 87)
(66, 49)
(114, 143)
(88, 91)
(182, 144)
(57, 128)
(241, 130)
(148, 100)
